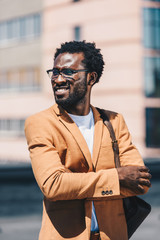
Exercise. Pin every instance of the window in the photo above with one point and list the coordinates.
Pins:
(25, 79)
(37, 24)
(77, 33)
(3, 31)
(12, 28)
(151, 26)
(153, 0)
(20, 28)
(153, 127)
(152, 76)
(12, 127)
(3, 80)
(29, 24)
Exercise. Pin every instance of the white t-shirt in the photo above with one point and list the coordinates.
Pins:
(86, 126)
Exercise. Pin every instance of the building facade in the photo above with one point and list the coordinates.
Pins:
(20, 72)
(128, 32)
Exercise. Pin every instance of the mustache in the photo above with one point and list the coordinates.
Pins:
(62, 85)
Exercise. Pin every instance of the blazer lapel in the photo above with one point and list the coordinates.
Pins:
(98, 130)
(65, 119)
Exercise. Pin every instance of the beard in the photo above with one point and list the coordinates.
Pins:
(75, 97)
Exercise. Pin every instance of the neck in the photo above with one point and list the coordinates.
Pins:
(80, 109)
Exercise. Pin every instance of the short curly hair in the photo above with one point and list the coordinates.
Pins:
(93, 59)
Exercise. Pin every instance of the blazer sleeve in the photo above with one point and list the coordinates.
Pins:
(54, 179)
(128, 153)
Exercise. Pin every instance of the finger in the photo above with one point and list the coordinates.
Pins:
(143, 169)
(146, 175)
(144, 182)
(141, 189)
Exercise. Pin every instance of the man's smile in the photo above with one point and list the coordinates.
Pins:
(61, 90)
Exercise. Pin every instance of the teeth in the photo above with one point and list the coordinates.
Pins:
(61, 90)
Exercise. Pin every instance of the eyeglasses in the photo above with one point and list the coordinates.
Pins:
(66, 72)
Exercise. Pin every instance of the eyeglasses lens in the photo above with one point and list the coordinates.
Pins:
(55, 72)
(67, 72)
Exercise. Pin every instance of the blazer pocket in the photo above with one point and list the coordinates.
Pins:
(67, 217)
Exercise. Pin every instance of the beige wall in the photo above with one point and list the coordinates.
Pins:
(21, 55)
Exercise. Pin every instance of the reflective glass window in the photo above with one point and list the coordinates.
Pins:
(37, 24)
(151, 28)
(152, 0)
(153, 127)
(20, 28)
(77, 33)
(3, 31)
(152, 76)
(12, 127)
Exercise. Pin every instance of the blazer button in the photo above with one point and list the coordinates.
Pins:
(111, 192)
(103, 192)
(107, 192)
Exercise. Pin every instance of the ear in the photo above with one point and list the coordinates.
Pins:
(92, 77)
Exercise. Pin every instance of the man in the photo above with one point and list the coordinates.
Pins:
(72, 156)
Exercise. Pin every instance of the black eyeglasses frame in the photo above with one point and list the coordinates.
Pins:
(60, 72)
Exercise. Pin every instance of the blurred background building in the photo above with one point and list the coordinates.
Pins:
(128, 32)
(20, 72)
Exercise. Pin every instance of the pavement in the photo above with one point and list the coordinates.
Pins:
(27, 227)
(20, 228)
(21, 206)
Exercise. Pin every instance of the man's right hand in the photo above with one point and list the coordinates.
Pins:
(134, 178)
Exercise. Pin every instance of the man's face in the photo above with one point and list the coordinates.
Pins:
(70, 90)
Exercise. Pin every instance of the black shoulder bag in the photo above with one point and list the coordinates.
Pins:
(136, 209)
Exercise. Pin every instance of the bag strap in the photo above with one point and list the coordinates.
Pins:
(112, 135)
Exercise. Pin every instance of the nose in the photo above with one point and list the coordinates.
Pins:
(59, 79)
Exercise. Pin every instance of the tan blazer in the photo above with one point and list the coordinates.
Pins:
(64, 171)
